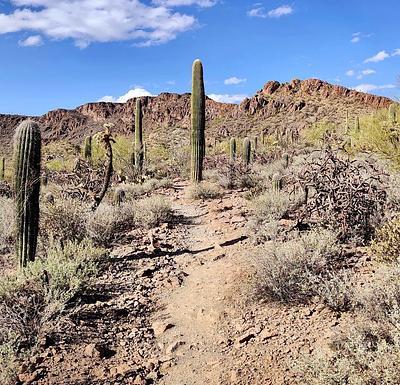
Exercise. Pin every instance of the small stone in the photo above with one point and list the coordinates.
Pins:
(174, 346)
(160, 327)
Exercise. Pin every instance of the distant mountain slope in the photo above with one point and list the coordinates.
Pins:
(278, 106)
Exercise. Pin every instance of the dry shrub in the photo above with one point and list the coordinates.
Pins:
(271, 206)
(204, 190)
(64, 220)
(152, 211)
(109, 223)
(32, 297)
(149, 186)
(301, 268)
(5, 189)
(386, 245)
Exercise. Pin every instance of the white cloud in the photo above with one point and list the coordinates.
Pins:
(380, 56)
(31, 41)
(178, 3)
(365, 73)
(235, 99)
(358, 36)
(373, 87)
(259, 11)
(234, 80)
(396, 52)
(133, 93)
(281, 11)
(350, 73)
(89, 21)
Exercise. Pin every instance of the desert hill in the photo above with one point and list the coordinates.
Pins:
(277, 106)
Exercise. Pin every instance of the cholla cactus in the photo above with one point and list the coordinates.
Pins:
(27, 158)
(198, 110)
(232, 149)
(2, 168)
(87, 148)
(119, 196)
(277, 182)
(139, 150)
(246, 151)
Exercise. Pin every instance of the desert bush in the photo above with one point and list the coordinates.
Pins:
(150, 185)
(109, 223)
(271, 206)
(204, 190)
(344, 194)
(295, 271)
(64, 219)
(7, 236)
(5, 189)
(386, 245)
(152, 211)
(366, 353)
(29, 298)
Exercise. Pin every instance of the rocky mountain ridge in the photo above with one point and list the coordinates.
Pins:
(277, 106)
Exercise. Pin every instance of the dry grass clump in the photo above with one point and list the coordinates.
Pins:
(301, 268)
(6, 224)
(205, 190)
(32, 297)
(271, 206)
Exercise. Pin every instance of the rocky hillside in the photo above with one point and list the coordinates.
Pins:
(277, 106)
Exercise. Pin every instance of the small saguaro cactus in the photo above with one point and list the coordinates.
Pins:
(232, 149)
(27, 158)
(198, 110)
(347, 122)
(246, 151)
(255, 143)
(285, 158)
(2, 167)
(357, 124)
(119, 197)
(138, 150)
(277, 182)
(392, 113)
(87, 148)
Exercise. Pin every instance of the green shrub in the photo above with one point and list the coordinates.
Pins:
(7, 236)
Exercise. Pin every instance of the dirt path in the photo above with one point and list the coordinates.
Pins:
(176, 312)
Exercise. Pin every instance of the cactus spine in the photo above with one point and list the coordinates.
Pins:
(2, 168)
(198, 109)
(276, 182)
(232, 149)
(139, 153)
(87, 148)
(27, 157)
(246, 151)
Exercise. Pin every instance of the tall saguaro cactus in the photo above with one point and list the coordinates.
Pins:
(87, 148)
(232, 149)
(246, 151)
(27, 157)
(198, 109)
(2, 168)
(139, 150)
(392, 113)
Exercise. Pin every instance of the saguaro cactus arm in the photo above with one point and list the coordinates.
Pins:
(139, 151)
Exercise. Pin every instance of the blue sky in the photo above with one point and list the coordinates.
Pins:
(64, 53)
